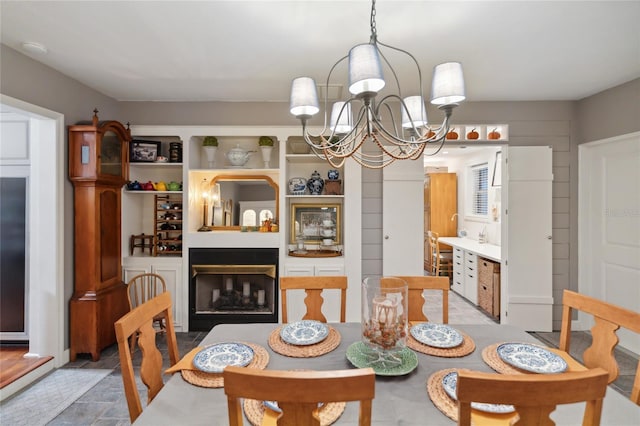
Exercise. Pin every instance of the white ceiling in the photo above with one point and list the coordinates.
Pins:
(251, 50)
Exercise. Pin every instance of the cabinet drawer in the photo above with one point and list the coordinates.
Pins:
(458, 253)
(470, 259)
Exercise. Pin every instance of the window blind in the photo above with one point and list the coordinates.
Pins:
(480, 184)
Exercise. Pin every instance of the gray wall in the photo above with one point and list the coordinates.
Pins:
(562, 125)
(30, 81)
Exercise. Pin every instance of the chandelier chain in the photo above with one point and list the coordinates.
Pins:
(374, 29)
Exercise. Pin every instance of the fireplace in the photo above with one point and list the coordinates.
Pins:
(232, 285)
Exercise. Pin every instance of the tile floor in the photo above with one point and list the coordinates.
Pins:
(105, 403)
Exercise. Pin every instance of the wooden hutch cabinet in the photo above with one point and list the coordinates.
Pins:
(98, 168)
(440, 205)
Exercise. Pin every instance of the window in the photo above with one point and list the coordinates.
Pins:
(479, 189)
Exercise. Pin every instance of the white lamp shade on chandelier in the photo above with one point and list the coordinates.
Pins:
(341, 121)
(358, 120)
(447, 86)
(304, 97)
(414, 114)
(365, 70)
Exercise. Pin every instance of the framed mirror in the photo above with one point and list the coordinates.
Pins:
(244, 201)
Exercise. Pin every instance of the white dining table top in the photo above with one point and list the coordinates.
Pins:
(400, 400)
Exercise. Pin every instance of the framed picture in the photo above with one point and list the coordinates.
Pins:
(315, 223)
(144, 151)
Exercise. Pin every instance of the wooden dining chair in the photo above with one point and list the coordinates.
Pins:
(145, 287)
(607, 319)
(441, 262)
(299, 392)
(417, 285)
(140, 320)
(313, 287)
(534, 396)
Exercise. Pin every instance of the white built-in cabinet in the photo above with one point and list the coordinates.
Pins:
(170, 269)
(295, 298)
(465, 274)
(138, 207)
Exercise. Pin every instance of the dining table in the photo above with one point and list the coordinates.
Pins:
(399, 399)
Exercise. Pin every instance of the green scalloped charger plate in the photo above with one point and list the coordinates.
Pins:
(357, 355)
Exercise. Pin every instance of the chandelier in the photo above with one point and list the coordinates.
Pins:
(355, 128)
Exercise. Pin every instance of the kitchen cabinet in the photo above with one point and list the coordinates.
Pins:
(440, 205)
(471, 276)
(169, 268)
(295, 298)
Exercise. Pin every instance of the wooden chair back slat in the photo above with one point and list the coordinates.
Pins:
(140, 321)
(313, 287)
(417, 284)
(608, 318)
(298, 392)
(534, 396)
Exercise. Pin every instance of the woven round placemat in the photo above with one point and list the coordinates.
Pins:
(307, 351)
(439, 397)
(329, 413)
(465, 348)
(215, 380)
(493, 360)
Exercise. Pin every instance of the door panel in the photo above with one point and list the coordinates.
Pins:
(529, 295)
(402, 218)
(610, 226)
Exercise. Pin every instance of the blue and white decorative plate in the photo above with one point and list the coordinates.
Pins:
(450, 384)
(305, 332)
(535, 359)
(436, 335)
(214, 358)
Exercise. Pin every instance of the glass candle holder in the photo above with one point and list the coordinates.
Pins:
(384, 319)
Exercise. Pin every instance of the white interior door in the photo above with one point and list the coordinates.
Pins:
(528, 299)
(402, 218)
(609, 228)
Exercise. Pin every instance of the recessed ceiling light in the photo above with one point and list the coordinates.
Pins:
(33, 47)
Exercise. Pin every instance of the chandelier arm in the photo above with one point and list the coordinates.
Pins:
(415, 61)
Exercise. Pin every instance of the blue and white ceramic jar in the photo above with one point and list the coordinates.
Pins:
(333, 174)
(315, 183)
(297, 186)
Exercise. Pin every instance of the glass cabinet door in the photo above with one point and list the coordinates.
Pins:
(110, 155)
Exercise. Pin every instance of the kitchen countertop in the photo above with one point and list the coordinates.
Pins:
(488, 251)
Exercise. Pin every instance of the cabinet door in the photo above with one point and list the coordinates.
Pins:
(295, 298)
(529, 295)
(331, 305)
(172, 275)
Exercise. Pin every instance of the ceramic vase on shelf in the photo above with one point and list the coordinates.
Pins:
(315, 183)
(210, 152)
(333, 174)
(297, 186)
(384, 319)
(266, 155)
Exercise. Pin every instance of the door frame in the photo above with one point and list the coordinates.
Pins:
(45, 232)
